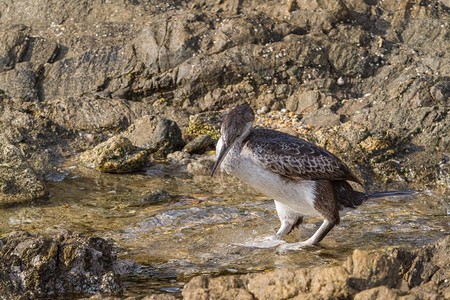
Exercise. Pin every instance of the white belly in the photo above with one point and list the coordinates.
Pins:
(297, 195)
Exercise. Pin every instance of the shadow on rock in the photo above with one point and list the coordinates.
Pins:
(40, 266)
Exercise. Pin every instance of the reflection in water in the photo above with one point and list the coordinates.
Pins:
(176, 226)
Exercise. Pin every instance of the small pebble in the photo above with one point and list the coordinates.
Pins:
(340, 81)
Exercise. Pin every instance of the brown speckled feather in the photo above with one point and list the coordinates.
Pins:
(294, 158)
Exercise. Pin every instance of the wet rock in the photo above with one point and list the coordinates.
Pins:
(199, 145)
(201, 165)
(365, 275)
(116, 155)
(19, 182)
(193, 164)
(39, 266)
(178, 157)
(151, 198)
(156, 134)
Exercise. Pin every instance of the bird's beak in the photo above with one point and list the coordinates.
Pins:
(223, 152)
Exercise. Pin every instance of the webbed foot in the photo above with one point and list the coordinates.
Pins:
(283, 249)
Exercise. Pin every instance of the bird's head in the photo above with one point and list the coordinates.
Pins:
(236, 126)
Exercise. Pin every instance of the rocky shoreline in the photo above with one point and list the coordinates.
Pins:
(39, 266)
(371, 87)
(395, 274)
(118, 85)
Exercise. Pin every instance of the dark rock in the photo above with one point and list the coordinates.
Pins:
(441, 92)
(156, 134)
(20, 82)
(178, 156)
(19, 182)
(153, 197)
(365, 275)
(116, 155)
(14, 45)
(201, 165)
(199, 145)
(148, 297)
(39, 266)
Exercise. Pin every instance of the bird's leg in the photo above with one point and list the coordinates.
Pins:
(288, 219)
(314, 240)
(285, 228)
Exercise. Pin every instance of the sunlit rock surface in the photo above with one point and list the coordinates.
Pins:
(421, 274)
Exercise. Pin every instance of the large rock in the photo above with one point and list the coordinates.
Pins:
(35, 266)
(421, 274)
(156, 134)
(116, 155)
(19, 182)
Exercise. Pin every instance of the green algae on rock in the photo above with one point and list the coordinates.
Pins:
(199, 145)
(116, 155)
(199, 128)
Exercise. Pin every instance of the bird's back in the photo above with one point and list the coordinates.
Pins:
(294, 158)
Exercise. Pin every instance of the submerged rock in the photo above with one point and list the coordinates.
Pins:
(422, 274)
(116, 155)
(39, 266)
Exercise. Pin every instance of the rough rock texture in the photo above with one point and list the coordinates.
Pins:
(199, 165)
(199, 145)
(38, 266)
(18, 180)
(149, 297)
(158, 135)
(71, 73)
(116, 155)
(396, 274)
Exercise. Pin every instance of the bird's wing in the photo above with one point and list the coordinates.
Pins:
(295, 158)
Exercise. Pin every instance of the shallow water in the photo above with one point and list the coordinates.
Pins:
(204, 225)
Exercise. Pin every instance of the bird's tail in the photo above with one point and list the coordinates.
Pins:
(378, 195)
